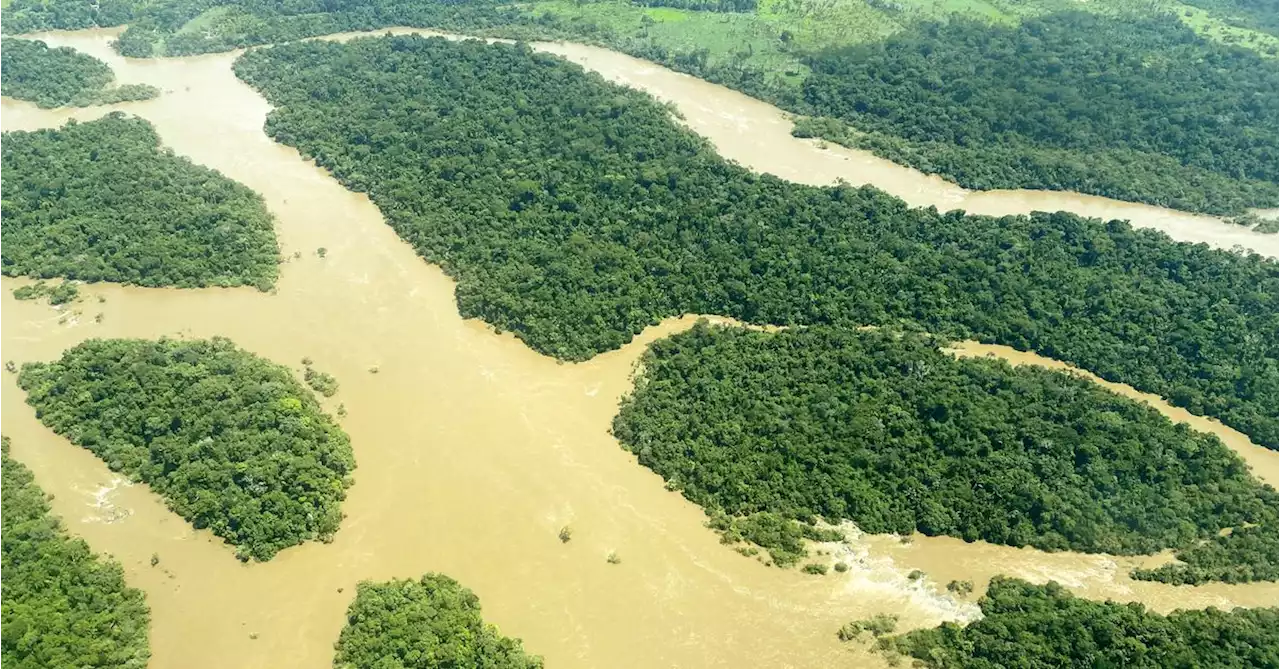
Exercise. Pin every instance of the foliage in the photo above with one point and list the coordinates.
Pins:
(887, 431)
(815, 568)
(427, 624)
(49, 77)
(1042, 626)
(703, 5)
(1245, 554)
(575, 213)
(63, 606)
(878, 625)
(321, 382)
(961, 588)
(232, 442)
(782, 537)
(62, 293)
(62, 76)
(1030, 105)
(102, 201)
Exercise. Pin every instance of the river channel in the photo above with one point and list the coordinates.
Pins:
(472, 449)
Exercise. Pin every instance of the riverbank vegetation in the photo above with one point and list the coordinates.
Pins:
(1071, 101)
(62, 76)
(1042, 626)
(886, 430)
(1014, 57)
(232, 442)
(103, 201)
(63, 605)
(432, 623)
(574, 213)
(1242, 555)
(63, 293)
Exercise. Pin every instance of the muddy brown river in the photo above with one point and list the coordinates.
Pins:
(473, 450)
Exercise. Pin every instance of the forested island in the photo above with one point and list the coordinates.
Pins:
(62, 76)
(63, 605)
(103, 201)
(232, 442)
(431, 623)
(1043, 626)
(574, 213)
(886, 430)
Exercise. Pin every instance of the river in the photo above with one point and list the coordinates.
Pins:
(472, 452)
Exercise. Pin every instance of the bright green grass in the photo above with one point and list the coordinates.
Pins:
(749, 39)
(206, 20)
(1215, 29)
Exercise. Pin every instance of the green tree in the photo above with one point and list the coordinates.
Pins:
(63, 606)
(232, 442)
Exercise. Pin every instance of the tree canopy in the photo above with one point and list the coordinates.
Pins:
(574, 213)
(432, 623)
(49, 77)
(62, 76)
(1245, 554)
(232, 442)
(888, 431)
(102, 201)
(1070, 101)
(63, 606)
(1043, 626)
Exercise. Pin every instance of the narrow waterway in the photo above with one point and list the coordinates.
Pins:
(472, 452)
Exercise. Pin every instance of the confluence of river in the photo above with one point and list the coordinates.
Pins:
(472, 450)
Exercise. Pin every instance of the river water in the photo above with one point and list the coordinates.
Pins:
(472, 450)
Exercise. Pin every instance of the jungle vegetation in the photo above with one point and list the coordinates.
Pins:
(1136, 110)
(886, 430)
(62, 76)
(232, 442)
(63, 605)
(574, 213)
(1043, 626)
(1245, 554)
(102, 201)
(771, 51)
(432, 623)
(62, 293)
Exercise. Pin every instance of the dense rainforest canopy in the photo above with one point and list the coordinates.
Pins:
(432, 623)
(62, 76)
(63, 606)
(102, 201)
(888, 431)
(1034, 105)
(1245, 554)
(232, 442)
(1044, 626)
(574, 213)
(1199, 65)
(49, 77)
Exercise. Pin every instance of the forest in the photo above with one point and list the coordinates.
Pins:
(49, 77)
(1246, 554)
(574, 213)
(63, 605)
(233, 443)
(103, 201)
(431, 623)
(62, 76)
(884, 429)
(1044, 626)
(703, 5)
(1030, 105)
(1210, 62)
